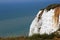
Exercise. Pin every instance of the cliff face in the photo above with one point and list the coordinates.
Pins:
(47, 21)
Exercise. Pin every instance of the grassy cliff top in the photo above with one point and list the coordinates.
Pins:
(51, 6)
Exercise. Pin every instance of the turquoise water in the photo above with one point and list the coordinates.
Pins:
(15, 18)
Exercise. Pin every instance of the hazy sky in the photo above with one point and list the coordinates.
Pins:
(26, 0)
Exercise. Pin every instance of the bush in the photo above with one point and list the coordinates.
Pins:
(41, 37)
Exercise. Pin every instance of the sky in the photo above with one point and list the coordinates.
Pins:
(4, 1)
(17, 15)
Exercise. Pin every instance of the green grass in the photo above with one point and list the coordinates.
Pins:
(43, 37)
(34, 37)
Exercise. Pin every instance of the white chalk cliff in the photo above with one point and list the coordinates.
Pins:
(47, 21)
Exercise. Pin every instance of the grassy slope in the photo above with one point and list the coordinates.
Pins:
(35, 37)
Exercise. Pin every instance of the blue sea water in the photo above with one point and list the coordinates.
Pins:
(15, 18)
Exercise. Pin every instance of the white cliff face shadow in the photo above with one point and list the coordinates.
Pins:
(34, 26)
(45, 23)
